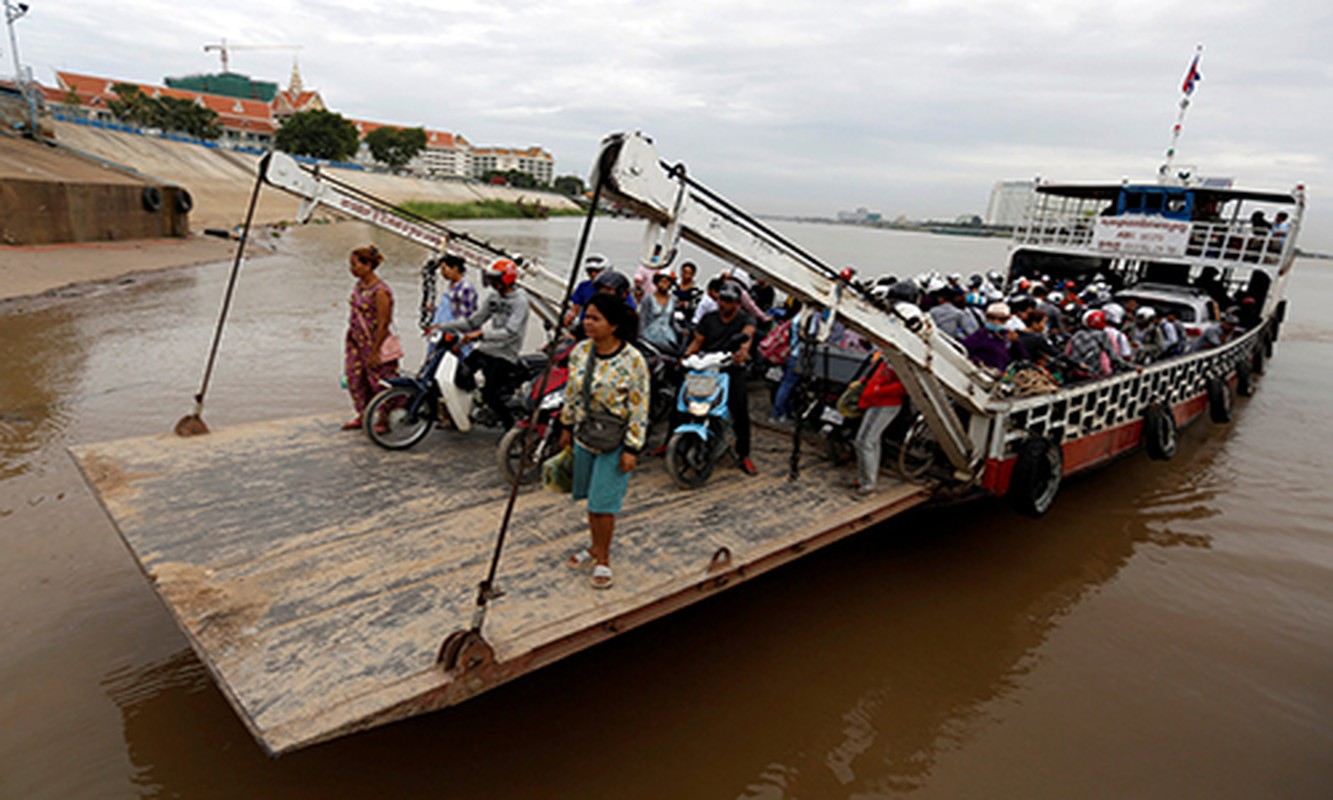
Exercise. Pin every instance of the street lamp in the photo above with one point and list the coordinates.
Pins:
(13, 11)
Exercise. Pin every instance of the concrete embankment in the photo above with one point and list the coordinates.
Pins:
(50, 195)
(221, 180)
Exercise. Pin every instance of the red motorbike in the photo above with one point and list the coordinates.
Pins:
(541, 434)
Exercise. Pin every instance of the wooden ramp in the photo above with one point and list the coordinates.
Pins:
(316, 575)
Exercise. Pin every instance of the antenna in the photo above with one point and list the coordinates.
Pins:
(1192, 78)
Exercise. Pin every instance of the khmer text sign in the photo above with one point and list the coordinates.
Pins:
(1138, 235)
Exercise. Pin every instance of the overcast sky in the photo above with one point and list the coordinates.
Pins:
(912, 108)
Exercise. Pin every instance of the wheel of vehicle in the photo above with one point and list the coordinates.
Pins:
(1219, 400)
(918, 451)
(688, 459)
(1036, 477)
(1244, 378)
(660, 404)
(1259, 356)
(1268, 344)
(837, 443)
(510, 452)
(390, 424)
(184, 202)
(152, 198)
(1160, 435)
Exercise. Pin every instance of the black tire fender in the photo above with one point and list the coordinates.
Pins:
(1219, 400)
(1036, 477)
(1160, 434)
(184, 201)
(1244, 378)
(152, 198)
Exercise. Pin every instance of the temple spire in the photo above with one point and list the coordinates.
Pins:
(294, 85)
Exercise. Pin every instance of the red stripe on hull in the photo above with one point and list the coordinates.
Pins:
(1091, 451)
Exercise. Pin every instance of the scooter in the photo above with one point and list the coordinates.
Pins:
(664, 370)
(544, 439)
(697, 443)
(410, 405)
(401, 415)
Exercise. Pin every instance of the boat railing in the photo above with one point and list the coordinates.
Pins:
(1088, 407)
(1223, 243)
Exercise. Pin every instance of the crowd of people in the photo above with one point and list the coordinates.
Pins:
(1065, 331)
(1036, 334)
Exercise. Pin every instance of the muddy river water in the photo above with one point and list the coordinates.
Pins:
(1166, 631)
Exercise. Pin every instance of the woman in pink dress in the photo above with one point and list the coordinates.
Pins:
(367, 328)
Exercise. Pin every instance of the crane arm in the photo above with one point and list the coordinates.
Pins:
(544, 288)
(935, 370)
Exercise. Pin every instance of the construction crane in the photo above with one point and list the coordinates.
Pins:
(225, 50)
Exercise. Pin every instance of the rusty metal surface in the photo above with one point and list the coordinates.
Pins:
(317, 575)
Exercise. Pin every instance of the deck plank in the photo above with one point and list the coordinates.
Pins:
(316, 574)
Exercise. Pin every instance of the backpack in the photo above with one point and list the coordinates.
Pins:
(775, 348)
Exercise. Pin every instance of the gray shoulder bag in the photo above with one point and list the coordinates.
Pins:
(599, 431)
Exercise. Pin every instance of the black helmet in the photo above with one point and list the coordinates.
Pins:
(903, 292)
(612, 280)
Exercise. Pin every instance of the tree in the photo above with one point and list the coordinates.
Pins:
(131, 104)
(186, 116)
(571, 185)
(318, 134)
(165, 113)
(394, 147)
(510, 177)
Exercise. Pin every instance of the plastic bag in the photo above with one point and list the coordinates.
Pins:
(558, 472)
(849, 401)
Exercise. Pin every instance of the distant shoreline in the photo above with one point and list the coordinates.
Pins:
(487, 209)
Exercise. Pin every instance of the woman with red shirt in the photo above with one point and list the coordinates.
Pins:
(881, 400)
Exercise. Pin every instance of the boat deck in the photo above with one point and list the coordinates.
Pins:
(316, 575)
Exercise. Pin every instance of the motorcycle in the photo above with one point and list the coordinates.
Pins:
(403, 413)
(697, 443)
(664, 370)
(544, 439)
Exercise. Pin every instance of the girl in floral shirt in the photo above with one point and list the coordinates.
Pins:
(620, 386)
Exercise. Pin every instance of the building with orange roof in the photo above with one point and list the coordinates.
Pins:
(245, 122)
(534, 161)
(296, 98)
(253, 123)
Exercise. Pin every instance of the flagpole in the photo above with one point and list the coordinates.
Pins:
(1192, 77)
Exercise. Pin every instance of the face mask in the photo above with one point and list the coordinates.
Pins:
(995, 327)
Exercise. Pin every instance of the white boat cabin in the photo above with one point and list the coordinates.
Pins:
(1210, 237)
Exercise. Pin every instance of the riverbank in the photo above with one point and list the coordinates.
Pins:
(34, 277)
(487, 209)
(221, 180)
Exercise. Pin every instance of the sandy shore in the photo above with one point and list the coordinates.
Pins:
(33, 276)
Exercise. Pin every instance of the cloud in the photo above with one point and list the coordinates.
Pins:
(917, 106)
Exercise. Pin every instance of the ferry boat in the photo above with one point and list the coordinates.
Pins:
(1175, 241)
(328, 584)
(1180, 236)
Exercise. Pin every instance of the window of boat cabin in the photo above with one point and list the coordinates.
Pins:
(1157, 201)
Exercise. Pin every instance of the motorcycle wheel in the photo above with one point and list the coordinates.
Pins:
(660, 404)
(389, 424)
(689, 459)
(918, 451)
(838, 445)
(510, 452)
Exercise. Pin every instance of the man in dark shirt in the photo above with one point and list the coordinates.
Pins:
(994, 345)
(715, 333)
